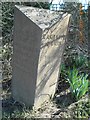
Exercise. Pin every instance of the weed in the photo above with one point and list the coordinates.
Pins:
(78, 83)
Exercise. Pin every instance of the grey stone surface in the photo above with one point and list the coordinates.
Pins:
(39, 39)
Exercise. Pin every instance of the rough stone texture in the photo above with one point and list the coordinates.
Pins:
(39, 39)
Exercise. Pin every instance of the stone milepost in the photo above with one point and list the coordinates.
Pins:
(39, 39)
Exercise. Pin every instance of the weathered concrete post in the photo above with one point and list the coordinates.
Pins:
(39, 38)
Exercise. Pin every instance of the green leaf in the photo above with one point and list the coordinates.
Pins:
(83, 89)
(78, 83)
